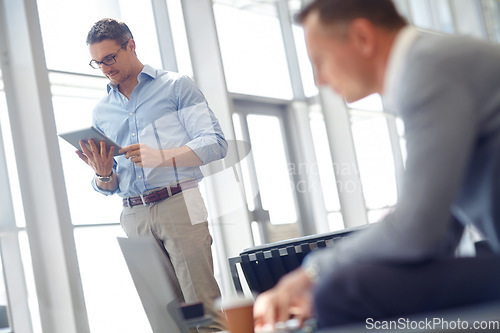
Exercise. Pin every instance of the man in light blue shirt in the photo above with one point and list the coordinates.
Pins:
(167, 130)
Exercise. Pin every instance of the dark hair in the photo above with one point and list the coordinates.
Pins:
(382, 13)
(109, 29)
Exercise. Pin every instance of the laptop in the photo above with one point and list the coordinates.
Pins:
(150, 276)
(144, 261)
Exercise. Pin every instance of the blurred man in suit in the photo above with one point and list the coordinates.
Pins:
(447, 91)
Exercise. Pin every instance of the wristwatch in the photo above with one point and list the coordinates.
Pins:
(105, 179)
(311, 269)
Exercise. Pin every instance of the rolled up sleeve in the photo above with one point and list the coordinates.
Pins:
(207, 139)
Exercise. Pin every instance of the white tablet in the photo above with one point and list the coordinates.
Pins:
(86, 134)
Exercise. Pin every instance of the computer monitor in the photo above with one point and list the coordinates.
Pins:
(143, 258)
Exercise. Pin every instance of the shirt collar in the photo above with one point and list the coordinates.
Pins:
(396, 64)
(146, 70)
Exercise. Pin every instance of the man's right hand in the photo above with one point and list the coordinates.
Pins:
(291, 297)
(97, 159)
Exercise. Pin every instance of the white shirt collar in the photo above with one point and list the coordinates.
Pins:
(396, 65)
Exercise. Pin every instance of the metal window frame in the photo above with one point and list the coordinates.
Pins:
(244, 107)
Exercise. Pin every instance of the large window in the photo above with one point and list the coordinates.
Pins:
(477, 18)
(65, 25)
(112, 304)
(11, 160)
(268, 147)
(305, 66)
(182, 55)
(13, 238)
(326, 169)
(268, 171)
(108, 289)
(111, 300)
(432, 14)
(374, 155)
(4, 222)
(74, 97)
(254, 61)
(252, 50)
(491, 10)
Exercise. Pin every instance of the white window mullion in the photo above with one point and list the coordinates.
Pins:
(48, 223)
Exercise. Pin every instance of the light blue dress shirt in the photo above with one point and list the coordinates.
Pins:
(165, 110)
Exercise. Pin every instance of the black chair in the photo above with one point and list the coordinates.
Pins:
(264, 265)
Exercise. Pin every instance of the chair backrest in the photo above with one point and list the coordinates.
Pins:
(264, 265)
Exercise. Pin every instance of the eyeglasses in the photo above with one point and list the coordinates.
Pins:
(108, 61)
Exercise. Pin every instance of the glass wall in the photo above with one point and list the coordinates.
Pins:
(13, 239)
(326, 168)
(491, 12)
(306, 71)
(111, 300)
(4, 297)
(271, 167)
(11, 160)
(74, 97)
(64, 33)
(268, 171)
(176, 17)
(252, 50)
(255, 65)
(432, 14)
(374, 155)
(110, 297)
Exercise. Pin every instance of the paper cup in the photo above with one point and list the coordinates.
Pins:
(238, 312)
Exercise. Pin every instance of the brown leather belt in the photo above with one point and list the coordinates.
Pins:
(158, 195)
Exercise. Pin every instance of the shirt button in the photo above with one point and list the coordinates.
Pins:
(133, 134)
(131, 113)
(140, 177)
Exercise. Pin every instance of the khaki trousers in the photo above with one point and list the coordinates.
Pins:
(179, 224)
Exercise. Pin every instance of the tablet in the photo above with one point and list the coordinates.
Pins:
(86, 134)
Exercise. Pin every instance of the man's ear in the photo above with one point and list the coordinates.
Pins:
(131, 45)
(363, 36)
